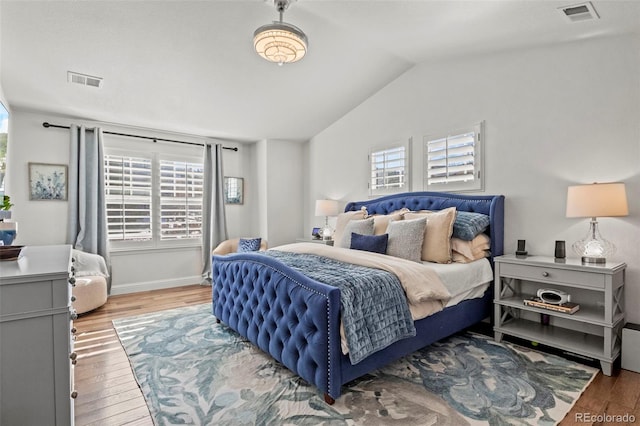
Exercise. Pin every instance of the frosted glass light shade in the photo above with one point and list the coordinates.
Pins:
(280, 42)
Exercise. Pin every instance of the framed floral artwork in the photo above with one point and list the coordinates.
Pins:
(47, 181)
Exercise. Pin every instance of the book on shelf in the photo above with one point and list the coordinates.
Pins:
(566, 308)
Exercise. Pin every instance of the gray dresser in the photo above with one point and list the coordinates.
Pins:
(36, 347)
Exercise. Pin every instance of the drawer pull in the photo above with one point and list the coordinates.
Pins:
(72, 281)
(73, 356)
(545, 274)
(74, 316)
(73, 298)
(73, 330)
(74, 394)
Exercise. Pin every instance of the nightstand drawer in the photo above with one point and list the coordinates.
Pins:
(552, 275)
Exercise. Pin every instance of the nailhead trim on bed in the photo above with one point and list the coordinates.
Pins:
(251, 301)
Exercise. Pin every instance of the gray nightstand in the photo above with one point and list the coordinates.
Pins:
(593, 331)
(313, 240)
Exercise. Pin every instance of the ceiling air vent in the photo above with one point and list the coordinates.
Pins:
(85, 80)
(579, 12)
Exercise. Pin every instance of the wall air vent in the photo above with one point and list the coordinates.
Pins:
(579, 12)
(85, 80)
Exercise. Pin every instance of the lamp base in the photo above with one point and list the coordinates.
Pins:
(327, 233)
(593, 249)
(592, 260)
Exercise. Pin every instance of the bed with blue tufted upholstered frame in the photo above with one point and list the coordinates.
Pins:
(297, 320)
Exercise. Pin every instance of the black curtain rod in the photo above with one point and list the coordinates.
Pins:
(47, 125)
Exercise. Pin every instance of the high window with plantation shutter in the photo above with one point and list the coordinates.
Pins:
(389, 169)
(453, 162)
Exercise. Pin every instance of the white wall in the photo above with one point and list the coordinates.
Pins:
(555, 116)
(242, 220)
(280, 175)
(45, 222)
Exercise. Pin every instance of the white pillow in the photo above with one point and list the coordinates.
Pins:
(381, 221)
(362, 227)
(471, 249)
(436, 246)
(405, 238)
(342, 221)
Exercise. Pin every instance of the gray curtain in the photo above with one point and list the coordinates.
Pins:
(87, 228)
(214, 220)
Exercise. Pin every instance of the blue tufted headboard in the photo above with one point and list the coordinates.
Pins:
(492, 205)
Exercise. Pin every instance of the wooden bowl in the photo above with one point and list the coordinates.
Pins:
(10, 252)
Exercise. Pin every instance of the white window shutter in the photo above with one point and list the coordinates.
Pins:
(389, 169)
(181, 188)
(152, 200)
(453, 161)
(128, 186)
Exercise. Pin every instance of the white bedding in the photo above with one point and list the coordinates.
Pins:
(461, 280)
(464, 280)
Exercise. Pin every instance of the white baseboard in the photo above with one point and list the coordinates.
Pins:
(153, 285)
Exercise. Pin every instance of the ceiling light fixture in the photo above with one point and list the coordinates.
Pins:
(280, 42)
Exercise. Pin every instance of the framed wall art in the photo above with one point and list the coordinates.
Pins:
(233, 190)
(47, 181)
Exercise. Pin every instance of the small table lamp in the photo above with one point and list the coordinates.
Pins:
(596, 200)
(326, 208)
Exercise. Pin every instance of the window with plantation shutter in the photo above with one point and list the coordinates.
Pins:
(181, 186)
(389, 170)
(153, 199)
(128, 186)
(453, 161)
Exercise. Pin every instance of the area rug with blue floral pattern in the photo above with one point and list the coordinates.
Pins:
(194, 371)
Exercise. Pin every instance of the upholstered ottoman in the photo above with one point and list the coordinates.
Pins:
(90, 293)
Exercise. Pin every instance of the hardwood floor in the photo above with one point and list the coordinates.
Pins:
(109, 395)
(107, 391)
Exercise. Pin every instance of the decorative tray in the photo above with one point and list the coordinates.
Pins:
(10, 252)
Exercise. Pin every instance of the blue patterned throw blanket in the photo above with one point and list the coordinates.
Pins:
(375, 312)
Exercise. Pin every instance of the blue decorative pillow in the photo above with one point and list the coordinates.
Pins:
(469, 225)
(372, 243)
(249, 244)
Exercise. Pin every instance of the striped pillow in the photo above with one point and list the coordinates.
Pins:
(469, 225)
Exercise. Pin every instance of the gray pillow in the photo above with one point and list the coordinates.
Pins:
(362, 227)
(405, 238)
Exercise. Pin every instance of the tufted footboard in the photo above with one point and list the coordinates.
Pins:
(286, 314)
(297, 320)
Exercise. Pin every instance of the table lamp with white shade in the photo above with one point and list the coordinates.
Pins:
(326, 208)
(596, 200)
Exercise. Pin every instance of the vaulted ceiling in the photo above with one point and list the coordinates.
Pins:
(189, 66)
